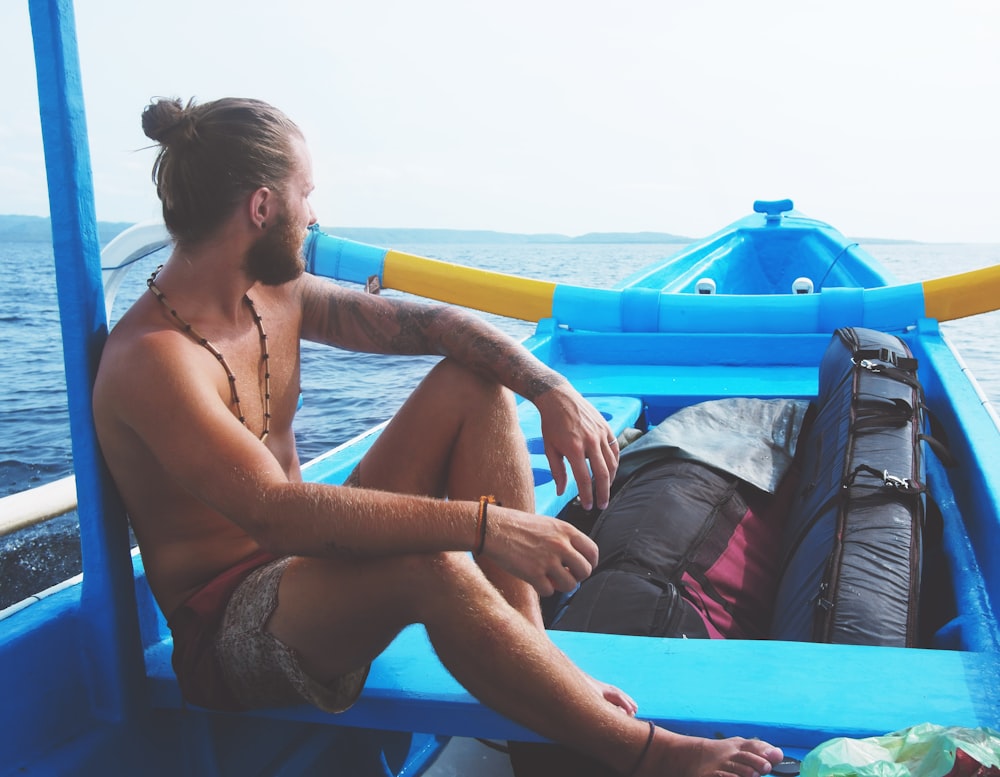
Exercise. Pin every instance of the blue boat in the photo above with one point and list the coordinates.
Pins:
(748, 312)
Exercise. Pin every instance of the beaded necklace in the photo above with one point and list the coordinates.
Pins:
(204, 342)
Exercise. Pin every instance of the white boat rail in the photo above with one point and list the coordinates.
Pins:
(28, 508)
(36, 505)
(118, 256)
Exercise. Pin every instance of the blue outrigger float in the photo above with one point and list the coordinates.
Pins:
(87, 682)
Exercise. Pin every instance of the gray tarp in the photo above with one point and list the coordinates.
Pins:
(753, 439)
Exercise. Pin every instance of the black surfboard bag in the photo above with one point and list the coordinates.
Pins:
(852, 548)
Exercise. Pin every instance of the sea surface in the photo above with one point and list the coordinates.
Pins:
(344, 393)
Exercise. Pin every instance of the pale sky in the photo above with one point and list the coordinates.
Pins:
(881, 117)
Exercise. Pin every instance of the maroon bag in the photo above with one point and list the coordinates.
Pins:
(686, 551)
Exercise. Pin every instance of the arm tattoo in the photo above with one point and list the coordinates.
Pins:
(363, 323)
(494, 355)
(401, 329)
(382, 325)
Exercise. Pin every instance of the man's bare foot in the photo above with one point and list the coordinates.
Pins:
(683, 756)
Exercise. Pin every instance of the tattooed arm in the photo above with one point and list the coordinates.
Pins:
(572, 429)
(376, 324)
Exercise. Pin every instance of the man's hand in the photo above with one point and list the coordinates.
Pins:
(549, 554)
(574, 430)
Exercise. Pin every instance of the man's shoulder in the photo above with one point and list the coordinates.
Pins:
(135, 335)
(140, 354)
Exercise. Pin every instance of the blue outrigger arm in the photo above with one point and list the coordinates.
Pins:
(109, 639)
(642, 308)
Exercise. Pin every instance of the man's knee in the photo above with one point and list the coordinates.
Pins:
(446, 568)
(431, 579)
(467, 385)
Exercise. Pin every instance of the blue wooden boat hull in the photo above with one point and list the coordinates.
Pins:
(86, 679)
(795, 694)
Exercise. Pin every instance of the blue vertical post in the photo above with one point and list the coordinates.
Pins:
(110, 645)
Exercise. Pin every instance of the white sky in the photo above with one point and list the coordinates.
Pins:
(881, 117)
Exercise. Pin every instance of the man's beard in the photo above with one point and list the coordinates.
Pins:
(276, 257)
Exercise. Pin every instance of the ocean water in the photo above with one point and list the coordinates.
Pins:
(339, 400)
(344, 393)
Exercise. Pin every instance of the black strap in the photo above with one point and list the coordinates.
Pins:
(889, 481)
(942, 451)
(889, 357)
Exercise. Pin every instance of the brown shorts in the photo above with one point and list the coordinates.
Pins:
(260, 670)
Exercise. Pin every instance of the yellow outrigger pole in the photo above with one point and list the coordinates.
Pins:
(963, 294)
(945, 299)
(529, 299)
(493, 292)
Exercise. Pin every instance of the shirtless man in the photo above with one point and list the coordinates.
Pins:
(279, 591)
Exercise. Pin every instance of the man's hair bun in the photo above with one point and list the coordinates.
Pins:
(167, 120)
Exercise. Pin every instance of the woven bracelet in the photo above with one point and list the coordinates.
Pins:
(484, 502)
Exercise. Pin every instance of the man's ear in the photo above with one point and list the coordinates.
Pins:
(261, 207)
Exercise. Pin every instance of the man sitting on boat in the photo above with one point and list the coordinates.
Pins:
(279, 591)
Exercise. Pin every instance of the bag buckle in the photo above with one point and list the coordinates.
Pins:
(900, 484)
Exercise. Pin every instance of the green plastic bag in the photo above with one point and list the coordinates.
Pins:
(921, 751)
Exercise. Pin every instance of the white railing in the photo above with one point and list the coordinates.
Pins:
(27, 508)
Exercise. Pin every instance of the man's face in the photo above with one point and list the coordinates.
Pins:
(276, 258)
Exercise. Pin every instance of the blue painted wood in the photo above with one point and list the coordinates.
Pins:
(793, 694)
(604, 310)
(336, 257)
(109, 633)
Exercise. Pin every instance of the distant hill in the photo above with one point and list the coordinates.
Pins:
(35, 229)
(390, 236)
(38, 229)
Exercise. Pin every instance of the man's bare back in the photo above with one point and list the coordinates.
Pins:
(205, 492)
